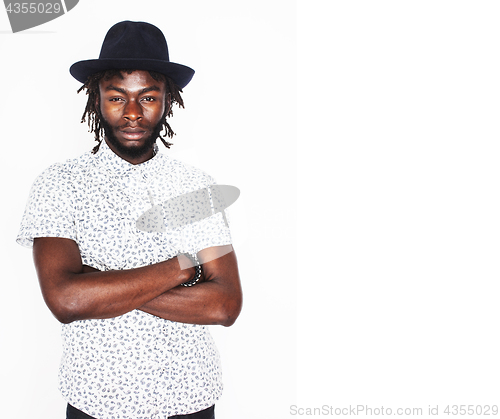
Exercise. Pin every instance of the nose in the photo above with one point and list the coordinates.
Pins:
(132, 111)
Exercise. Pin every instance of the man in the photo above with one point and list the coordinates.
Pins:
(135, 344)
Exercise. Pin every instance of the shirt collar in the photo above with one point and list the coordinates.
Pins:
(118, 166)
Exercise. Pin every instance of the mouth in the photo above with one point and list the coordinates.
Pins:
(133, 133)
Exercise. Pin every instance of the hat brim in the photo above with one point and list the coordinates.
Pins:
(180, 74)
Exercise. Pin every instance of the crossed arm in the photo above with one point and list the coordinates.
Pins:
(73, 291)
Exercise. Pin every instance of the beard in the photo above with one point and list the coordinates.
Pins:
(131, 152)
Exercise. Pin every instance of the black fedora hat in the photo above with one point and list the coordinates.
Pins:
(134, 46)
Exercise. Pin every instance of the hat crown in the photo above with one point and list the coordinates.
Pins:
(134, 40)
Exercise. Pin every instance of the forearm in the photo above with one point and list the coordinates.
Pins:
(218, 300)
(205, 303)
(75, 292)
(98, 295)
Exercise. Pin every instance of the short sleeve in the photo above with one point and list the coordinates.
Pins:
(50, 208)
(210, 231)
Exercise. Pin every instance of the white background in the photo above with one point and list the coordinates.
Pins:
(398, 295)
(238, 125)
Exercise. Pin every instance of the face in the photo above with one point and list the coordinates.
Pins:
(132, 109)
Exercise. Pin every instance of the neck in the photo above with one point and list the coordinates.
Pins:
(131, 155)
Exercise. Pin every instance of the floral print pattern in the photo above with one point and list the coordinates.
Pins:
(134, 366)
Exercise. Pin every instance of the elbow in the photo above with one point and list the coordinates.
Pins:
(63, 319)
(64, 310)
(230, 312)
(228, 321)
(64, 315)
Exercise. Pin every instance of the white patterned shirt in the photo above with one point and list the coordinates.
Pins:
(137, 365)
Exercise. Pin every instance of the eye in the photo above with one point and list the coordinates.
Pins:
(149, 99)
(115, 99)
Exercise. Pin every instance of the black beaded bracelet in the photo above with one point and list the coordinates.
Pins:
(196, 279)
(197, 274)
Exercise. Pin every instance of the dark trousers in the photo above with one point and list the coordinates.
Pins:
(73, 413)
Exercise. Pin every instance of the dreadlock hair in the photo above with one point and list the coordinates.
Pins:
(92, 113)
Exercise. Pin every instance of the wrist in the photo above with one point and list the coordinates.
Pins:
(198, 271)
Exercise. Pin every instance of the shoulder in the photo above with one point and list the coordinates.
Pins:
(64, 173)
(189, 176)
